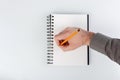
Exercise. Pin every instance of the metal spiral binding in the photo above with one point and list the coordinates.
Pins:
(50, 35)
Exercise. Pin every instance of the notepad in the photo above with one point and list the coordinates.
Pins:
(57, 23)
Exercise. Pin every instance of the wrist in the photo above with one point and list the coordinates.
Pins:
(89, 37)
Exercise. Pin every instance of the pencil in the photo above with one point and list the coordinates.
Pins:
(69, 37)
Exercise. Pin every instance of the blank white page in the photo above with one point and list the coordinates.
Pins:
(74, 57)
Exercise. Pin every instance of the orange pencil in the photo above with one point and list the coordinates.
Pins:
(69, 37)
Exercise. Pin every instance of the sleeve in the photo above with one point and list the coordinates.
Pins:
(106, 45)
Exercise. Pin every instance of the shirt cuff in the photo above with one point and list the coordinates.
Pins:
(98, 42)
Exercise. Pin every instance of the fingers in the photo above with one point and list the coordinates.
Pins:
(59, 39)
(65, 47)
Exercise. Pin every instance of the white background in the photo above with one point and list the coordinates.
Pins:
(23, 39)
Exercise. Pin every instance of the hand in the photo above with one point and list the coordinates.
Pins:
(81, 38)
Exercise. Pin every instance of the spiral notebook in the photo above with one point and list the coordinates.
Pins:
(55, 24)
